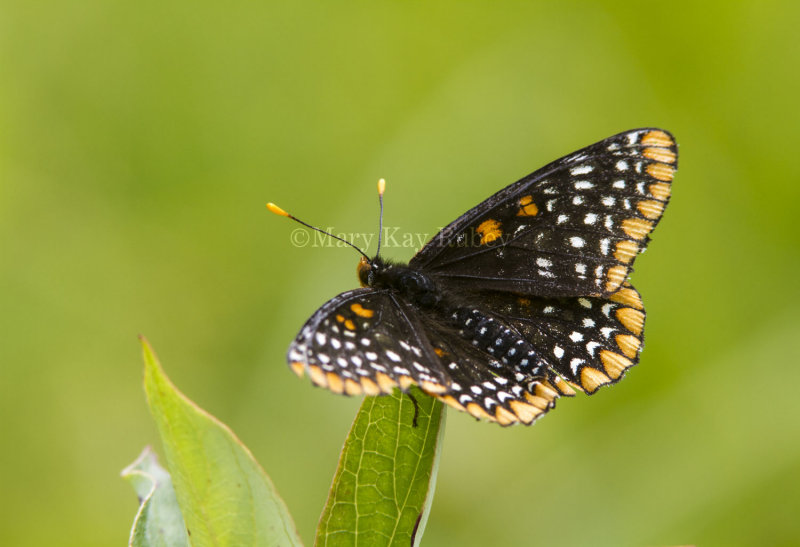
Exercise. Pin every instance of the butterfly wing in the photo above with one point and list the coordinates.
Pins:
(370, 341)
(484, 386)
(366, 341)
(588, 341)
(572, 228)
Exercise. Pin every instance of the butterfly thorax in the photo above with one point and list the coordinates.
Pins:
(472, 324)
(412, 283)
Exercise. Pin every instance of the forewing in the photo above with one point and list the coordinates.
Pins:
(366, 341)
(572, 228)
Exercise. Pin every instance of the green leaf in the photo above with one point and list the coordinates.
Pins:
(382, 490)
(225, 497)
(158, 521)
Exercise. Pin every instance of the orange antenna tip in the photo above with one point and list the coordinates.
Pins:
(381, 186)
(277, 210)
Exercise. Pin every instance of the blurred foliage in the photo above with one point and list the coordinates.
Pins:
(140, 141)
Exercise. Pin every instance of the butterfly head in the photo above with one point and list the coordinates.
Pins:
(369, 270)
(364, 270)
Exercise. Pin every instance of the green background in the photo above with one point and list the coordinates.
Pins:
(139, 142)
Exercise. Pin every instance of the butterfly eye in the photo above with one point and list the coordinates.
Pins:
(364, 271)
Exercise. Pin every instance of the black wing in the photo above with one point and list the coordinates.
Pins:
(365, 341)
(572, 228)
(370, 341)
(588, 341)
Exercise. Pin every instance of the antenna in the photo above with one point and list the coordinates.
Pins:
(280, 212)
(381, 190)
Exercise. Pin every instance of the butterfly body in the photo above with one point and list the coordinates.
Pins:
(514, 303)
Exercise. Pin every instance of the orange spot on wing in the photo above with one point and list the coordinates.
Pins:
(477, 411)
(351, 387)
(629, 297)
(298, 368)
(626, 251)
(317, 376)
(657, 138)
(526, 413)
(541, 390)
(405, 382)
(628, 344)
(538, 402)
(661, 171)
(489, 231)
(637, 228)
(527, 208)
(361, 311)
(385, 382)
(429, 387)
(349, 324)
(633, 320)
(614, 363)
(450, 400)
(504, 417)
(592, 379)
(565, 388)
(650, 208)
(660, 190)
(335, 383)
(370, 387)
(664, 155)
(614, 277)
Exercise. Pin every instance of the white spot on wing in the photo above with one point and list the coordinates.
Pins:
(591, 346)
(581, 170)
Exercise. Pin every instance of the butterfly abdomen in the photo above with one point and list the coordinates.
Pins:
(494, 337)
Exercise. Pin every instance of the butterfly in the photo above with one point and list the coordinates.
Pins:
(524, 298)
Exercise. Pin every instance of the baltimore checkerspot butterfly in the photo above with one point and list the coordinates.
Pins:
(515, 303)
